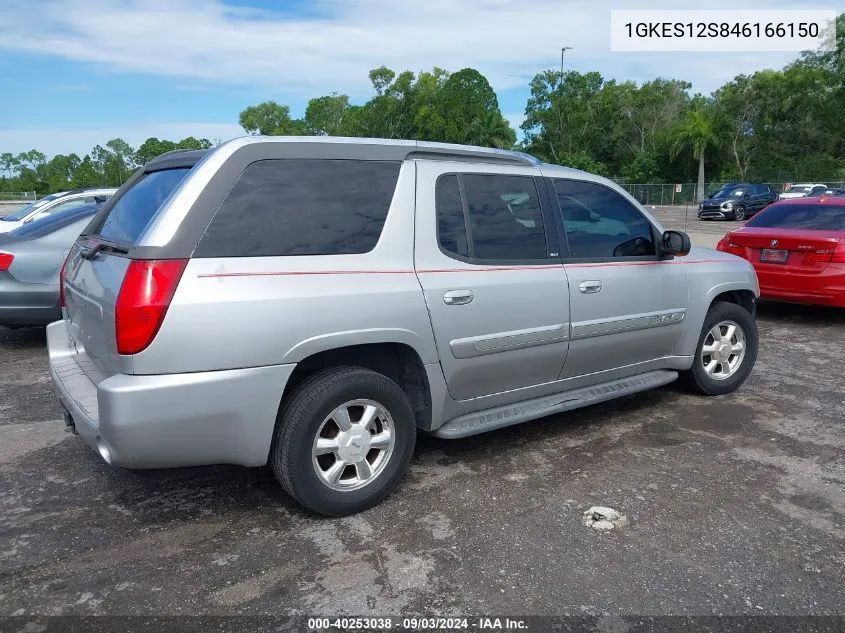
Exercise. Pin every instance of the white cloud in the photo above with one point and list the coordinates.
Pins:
(334, 47)
(67, 141)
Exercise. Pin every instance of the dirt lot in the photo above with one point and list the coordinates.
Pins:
(735, 505)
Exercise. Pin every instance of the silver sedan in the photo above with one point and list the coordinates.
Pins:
(31, 257)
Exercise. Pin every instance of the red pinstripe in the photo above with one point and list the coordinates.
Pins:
(297, 273)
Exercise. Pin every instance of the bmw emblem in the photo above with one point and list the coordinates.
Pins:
(774, 242)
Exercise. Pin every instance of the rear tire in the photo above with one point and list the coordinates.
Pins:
(724, 357)
(343, 440)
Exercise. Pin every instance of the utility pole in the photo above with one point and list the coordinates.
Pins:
(562, 51)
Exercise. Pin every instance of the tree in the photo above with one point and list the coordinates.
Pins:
(568, 115)
(466, 96)
(33, 159)
(696, 134)
(738, 105)
(272, 119)
(491, 129)
(327, 115)
(8, 162)
(151, 148)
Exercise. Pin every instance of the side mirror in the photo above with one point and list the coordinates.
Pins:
(100, 199)
(675, 243)
(594, 217)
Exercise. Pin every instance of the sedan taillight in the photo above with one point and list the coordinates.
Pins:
(6, 260)
(838, 254)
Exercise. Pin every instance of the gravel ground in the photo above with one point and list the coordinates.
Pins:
(734, 505)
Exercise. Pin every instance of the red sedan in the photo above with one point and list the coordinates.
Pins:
(797, 247)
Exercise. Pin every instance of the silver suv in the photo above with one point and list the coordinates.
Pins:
(313, 303)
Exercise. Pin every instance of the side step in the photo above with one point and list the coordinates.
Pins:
(498, 417)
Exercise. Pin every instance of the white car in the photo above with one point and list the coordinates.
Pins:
(804, 190)
(54, 203)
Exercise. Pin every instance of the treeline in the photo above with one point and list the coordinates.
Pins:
(105, 166)
(772, 126)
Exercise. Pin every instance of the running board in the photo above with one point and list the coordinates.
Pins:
(498, 417)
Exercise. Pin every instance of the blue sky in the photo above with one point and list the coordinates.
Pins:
(74, 73)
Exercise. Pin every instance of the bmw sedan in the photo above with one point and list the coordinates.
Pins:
(797, 247)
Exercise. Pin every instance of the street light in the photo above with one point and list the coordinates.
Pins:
(562, 51)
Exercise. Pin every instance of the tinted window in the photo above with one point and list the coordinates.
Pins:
(822, 217)
(451, 227)
(505, 220)
(601, 223)
(302, 207)
(128, 218)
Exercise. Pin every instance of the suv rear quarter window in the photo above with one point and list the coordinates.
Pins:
(281, 207)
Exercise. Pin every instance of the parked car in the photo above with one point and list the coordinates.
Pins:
(314, 302)
(30, 259)
(798, 250)
(804, 190)
(54, 203)
(737, 203)
(727, 185)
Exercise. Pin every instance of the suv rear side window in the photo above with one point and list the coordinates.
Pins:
(600, 223)
(282, 207)
(503, 220)
(134, 210)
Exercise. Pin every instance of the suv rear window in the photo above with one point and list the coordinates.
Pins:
(283, 207)
(133, 212)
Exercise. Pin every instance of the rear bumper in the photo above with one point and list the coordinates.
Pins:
(172, 420)
(826, 288)
(27, 304)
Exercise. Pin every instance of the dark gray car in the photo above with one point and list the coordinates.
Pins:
(31, 257)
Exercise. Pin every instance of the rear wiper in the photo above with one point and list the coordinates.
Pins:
(91, 252)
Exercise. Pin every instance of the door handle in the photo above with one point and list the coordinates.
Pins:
(589, 287)
(458, 297)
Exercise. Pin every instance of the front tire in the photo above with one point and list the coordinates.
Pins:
(343, 440)
(726, 351)
(739, 214)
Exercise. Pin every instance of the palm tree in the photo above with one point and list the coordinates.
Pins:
(491, 130)
(697, 133)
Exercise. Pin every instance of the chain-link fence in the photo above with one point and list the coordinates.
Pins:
(17, 196)
(685, 193)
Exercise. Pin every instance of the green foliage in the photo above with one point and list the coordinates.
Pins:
(431, 105)
(104, 166)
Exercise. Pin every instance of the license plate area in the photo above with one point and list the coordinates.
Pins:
(774, 256)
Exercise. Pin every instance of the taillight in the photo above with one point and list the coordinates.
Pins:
(6, 261)
(726, 246)
(62, 302)
(142, 302)
(838, 254)
(821, 256)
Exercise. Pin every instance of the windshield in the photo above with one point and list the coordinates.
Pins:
(813, 217)
(20, 214)
(729, 193)
(800, 189)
